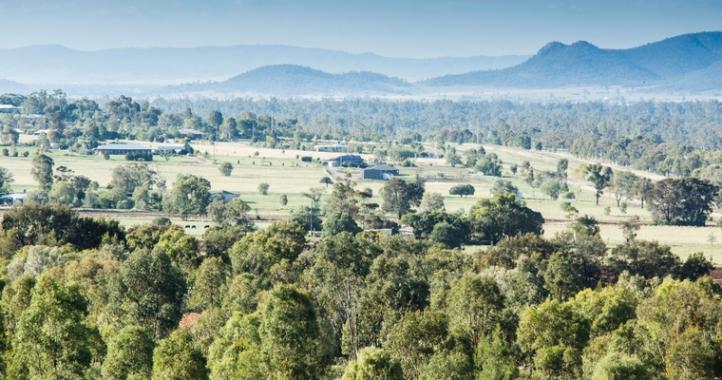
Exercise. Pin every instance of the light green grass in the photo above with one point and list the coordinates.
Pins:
(286, 175)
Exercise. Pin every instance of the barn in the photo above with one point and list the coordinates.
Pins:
(380, 172)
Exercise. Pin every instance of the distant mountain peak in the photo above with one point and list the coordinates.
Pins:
(584, 64)
(551, 48)
(583, 45)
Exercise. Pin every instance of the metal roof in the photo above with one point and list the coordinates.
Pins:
(382, 168)
(122, 147)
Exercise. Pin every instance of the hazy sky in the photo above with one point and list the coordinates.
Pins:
(418, 28)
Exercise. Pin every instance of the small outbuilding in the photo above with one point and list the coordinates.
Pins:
(347, 161)
(380, 172)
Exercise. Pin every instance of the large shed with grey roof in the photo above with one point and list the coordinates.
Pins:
(380, 172)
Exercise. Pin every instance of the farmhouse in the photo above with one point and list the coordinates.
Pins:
(347, 161)
(380, 172)
(123, 149)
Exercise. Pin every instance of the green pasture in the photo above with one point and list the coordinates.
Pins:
(287, 175)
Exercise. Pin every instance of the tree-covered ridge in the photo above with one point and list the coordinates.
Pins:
(153, 302)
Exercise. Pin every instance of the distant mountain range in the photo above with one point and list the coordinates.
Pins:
(291, 80)
(687, 63)
(53, 64)
(8, 86)
(678, 62)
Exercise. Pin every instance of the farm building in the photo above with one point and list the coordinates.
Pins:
(337, 148)
(347, 161)
(191, 133)
(380, 172)
(169, 149)
(226, 195)
(123, 149)
(12, 199)
(8, 108)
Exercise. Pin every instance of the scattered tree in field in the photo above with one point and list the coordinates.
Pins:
(226, 169)
(630, 228)
(462, 190)
(284, 200)
(562, 170)
(399, 196)
(644, 190)
(625, 186)
(472, 156)
(190, 195)
(685, 201)
(552, 187)
(600, 177)
(503, 186)
(452, 158)
(215, 119)
(263, 188)
(6, 181)
(232, 213)
(326, 181)
(490, 165)
(433, 202)
(42, 171)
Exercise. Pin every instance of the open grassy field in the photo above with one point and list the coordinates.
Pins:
(287, 175)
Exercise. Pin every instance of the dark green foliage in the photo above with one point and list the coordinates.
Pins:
(148, 291)
(567, 273)
(490, 165)
(261, 251)
(502, 216)
(42, 171)
(53, 339)
(400, 196)
(462, 190)
(684, 202)
(338, 222)
(373, 364)
(600, 177)
(175, 358)
(289, 334)
(190, 196)
(37, 224)
(130, 353)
